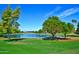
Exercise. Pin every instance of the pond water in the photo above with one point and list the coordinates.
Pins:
(27, 35)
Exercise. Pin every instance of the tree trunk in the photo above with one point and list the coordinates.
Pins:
(65, 35)
(8, 34)
(53, 35)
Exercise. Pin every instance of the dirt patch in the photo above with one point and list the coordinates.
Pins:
(70, 39)
(1, 38)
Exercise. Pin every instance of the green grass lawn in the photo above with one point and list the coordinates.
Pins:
(35, 46)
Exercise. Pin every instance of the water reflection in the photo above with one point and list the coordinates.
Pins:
(26, 35)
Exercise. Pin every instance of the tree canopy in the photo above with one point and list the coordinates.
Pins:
(9, 20)
(52, 25)
(67, 28)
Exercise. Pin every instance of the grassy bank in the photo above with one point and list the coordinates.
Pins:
(35, 46)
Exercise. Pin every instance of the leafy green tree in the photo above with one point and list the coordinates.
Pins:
(9, 20)
(6, 18)
(1, 28)
(15, 16)
(70, 27)
(67, 28)
(52, 25)
(74, 21)
(40, 31)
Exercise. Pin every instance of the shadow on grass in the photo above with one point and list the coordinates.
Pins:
(14, 39)
(56, 38)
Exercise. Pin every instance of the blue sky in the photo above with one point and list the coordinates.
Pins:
(32, 16)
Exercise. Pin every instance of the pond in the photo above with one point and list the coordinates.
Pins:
(27, 35)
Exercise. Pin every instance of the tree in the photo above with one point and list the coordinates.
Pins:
(74, 21)
(67, 28)
(6, 18)
(1, 28)
(52, 25)
(70, 27)
(40, 31)
(15, 17)
(77, 31)
(9, 19)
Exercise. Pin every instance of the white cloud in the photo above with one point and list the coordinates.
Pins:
(53, 11)
(69, 12)
(50, 13)
(65, 13)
